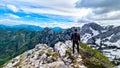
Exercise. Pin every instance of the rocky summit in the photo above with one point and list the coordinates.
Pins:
(43, 56)
(59, 56)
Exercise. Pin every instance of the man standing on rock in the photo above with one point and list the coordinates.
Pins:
(75, 39)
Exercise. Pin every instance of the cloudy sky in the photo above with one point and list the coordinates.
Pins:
(59, 13)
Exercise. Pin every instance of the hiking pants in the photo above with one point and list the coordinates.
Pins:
(77, 43)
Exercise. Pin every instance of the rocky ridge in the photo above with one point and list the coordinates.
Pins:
(43, 56)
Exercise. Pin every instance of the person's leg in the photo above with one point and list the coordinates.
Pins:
(78, 47)
(73, 47)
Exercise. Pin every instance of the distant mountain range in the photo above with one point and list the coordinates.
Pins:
(17, 39)
(27, 27)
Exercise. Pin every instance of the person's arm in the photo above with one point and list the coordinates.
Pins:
(79, 37)
(72, 37)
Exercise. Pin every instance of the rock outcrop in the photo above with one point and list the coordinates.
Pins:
(43, 56)
(61, 56)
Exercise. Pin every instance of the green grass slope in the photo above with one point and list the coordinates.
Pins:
(92, 58)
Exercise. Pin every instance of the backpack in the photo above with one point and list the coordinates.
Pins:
(75, 36)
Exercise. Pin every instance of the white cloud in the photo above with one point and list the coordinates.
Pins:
(55, 7)
(114, 15)
(42, 24)
(66, 8)
(109, 22)
(58, 4)
(12, 7)
(55, 24)
(1, 4)
(75, 13)
(60, 24)
(104, 11)
(11, 22)
(12, 16)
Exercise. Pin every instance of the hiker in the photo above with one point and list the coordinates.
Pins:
(75, 39)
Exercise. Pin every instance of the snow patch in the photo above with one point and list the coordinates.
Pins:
(98, 41)
(85, 37)
(94, 32)
(109, 37)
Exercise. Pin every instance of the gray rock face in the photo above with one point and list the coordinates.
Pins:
(43, 56)
(115, 37)
(86, 28)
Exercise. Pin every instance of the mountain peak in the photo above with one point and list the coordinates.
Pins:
(43, 56)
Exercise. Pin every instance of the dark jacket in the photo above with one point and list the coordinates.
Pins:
(75, 36)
